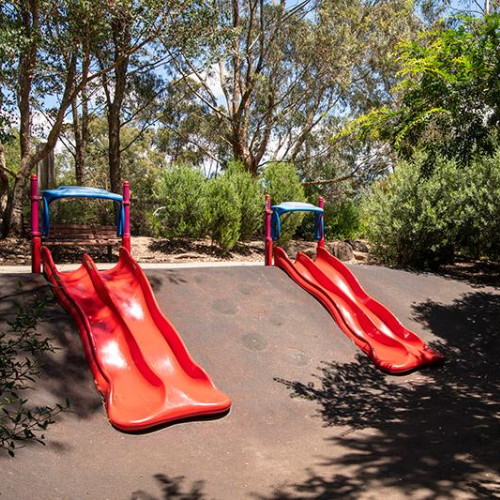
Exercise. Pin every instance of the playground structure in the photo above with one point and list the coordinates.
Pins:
(138, 360)
(370, 325)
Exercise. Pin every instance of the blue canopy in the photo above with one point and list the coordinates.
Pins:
(296, 206)
(51, 195)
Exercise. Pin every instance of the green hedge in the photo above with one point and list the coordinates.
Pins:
(281, 182)
(424, 222)
(181, 193)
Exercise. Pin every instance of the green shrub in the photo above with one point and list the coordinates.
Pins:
(424, 222)
(181, 195)
(251, 199)
(281, 182)
(224, 212)
(342, 220)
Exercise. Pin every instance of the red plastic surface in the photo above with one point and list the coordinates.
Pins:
(139, 362)
(371, 326)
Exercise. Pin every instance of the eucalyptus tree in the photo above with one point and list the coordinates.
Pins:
(59, 49)
(138, 80)
(40, 35)
(44, 74)
(287, 70)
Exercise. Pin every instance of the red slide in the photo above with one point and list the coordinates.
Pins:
(371, 326)
(139, 362)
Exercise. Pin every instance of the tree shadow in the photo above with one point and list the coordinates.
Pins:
(173, 489)
(156, 279)
(435, 432)
(476, 274)
(63, 374)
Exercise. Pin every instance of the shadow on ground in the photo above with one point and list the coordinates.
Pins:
(435, 434)
(477, 274)
(63, 374)
(173, 488)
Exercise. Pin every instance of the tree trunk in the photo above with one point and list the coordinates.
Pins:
(121, 39)
(114, 153)
(81, 124)
(13, 221)
(4, 182)
(79, 146)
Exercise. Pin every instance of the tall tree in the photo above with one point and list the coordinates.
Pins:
(132, 88)
(449, 94)
(48, 63)
(288, 69)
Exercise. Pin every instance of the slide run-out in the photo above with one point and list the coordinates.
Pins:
(371, 326)
(139, 362)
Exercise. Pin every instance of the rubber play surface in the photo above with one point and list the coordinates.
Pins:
(311, 416)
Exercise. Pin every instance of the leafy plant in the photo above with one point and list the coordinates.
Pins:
(282, 183)
(181, 193)
(251, 198)
(224, 212)
(342, 220)
(20, 343)
(425, 221)
(446, 97)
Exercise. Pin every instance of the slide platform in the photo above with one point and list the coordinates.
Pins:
(139, 362)
(372, 327)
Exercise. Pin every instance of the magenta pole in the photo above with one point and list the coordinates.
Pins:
(126, 222)
(321, 241)
(268, 248)
(36, 235)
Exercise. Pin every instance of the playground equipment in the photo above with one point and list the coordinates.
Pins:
(139, 362)
(370, 325)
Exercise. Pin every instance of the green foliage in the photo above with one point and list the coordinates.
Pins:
(425, 221)
(447, 95)
(181, 194)
(19, 344)
(282, 183)
(224, 212)
(82, 211)
(342, 220)
(228, 207)
(251, 199)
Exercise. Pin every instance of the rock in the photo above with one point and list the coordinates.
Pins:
(358, 245)
(310, 252)
(361, 256)
(341, 250)
(307, 247)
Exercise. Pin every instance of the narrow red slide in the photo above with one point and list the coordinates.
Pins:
(371, 326)
(139, 362)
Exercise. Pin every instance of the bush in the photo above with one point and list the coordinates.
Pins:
(181, 194)
(342, 220)
(224, 212)
(282, 183)
(251, 199)
(424, 222)
(19, 344)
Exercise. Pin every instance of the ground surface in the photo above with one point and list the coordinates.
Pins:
(311, 417)
(145, 249)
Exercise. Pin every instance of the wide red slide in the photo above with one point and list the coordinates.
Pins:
(371, 326)
(139, 362)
